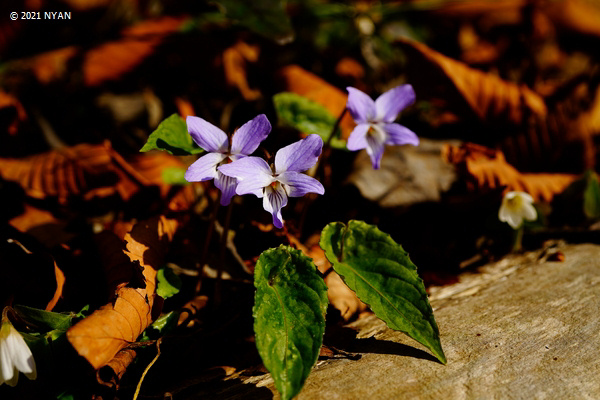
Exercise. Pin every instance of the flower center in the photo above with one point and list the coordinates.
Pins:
(515, 203)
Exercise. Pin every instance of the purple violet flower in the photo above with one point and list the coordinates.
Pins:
(375, 121)
(220, 151)
(275, 183)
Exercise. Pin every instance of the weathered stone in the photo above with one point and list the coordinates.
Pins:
(522, 328)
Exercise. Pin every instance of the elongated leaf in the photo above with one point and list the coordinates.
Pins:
(172, 136)
(382, 275)
(306, 115)
(46, 320)
(289, 316)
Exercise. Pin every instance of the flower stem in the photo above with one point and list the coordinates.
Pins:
(222, 246)
(518, 239)
(207, 239)
(320, 168)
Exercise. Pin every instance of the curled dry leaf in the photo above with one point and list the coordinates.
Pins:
(487, 168)
(92, 171)
(307, 84)
(111, 373)
(8, 101)
(467, 90)
(234, 63)
(339, 294)
(100, 336)
(22, 260)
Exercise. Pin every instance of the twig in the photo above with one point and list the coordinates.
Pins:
(139, 385)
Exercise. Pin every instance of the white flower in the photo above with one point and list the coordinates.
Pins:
(15, 355)
(515, 207)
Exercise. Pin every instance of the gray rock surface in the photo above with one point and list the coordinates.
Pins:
(521, 328)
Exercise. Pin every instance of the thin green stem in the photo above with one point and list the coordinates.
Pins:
(518, 239)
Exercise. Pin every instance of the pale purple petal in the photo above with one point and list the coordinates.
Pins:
(226, 184)
(390, 103)
(206, 135)
(246, 167)
(360, 105)
(253, 174)
(254, 184)
(375, 148)
(204, 168)
(247, 138)
(398, 135)
(297, 184)
(299, 156)
(275, 199)
(358, 137)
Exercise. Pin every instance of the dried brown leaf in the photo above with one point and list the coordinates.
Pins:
(100, 336)
(467, 90)
(486, 168)
(111, 60)
(8, 101)
(234, 63)
(580, 16)
(339, 294)
(92, 171)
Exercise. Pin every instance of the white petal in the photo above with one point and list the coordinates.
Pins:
(6, 365)
(273, 201)
(529, 212)
(19, 351)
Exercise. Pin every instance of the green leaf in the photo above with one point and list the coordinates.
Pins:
(380, 272)
(265, 17)
(591, 195)
(167, 283)
(306, 116)
(289, 316)
(46, 320)
(174, 176)
(172, 136)
(163, 325)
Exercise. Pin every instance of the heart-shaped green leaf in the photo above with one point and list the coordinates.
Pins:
(307, 116)
(289, 316)
(380, 272)
(172, 136)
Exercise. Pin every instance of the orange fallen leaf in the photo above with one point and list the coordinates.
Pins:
(307, 84)
(580, 16)
(467, 90)
(112, 59)
(92, 171)
(184, 107)
(487, 168)
(100, 336)
(52, 65)
(234, 63)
